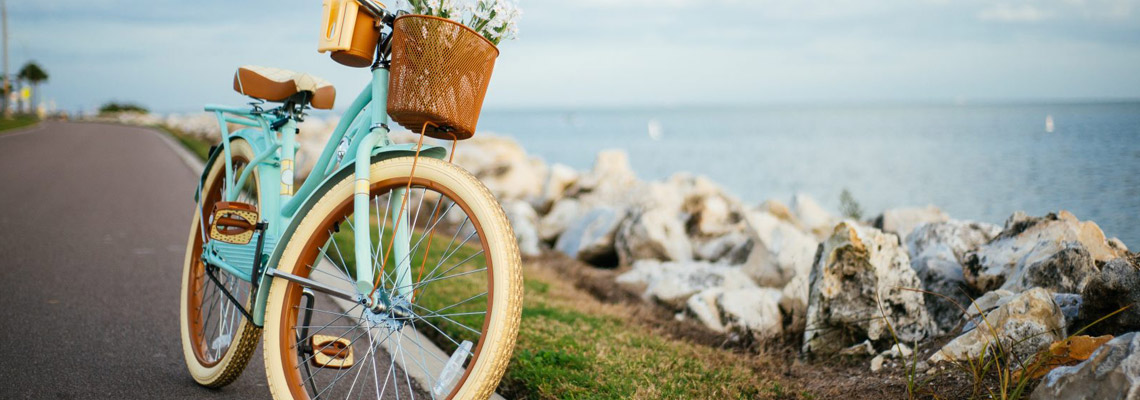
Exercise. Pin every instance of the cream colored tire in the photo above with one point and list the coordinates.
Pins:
(505, 303)
(223, 371)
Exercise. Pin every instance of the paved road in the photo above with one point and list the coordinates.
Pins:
(93, 225)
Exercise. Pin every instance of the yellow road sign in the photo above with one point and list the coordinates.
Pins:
(26, 93)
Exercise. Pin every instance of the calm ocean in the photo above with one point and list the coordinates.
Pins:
(975, 162)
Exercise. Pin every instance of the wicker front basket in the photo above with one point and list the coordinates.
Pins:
(440, 71)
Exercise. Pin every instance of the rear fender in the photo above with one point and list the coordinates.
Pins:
(255, 138)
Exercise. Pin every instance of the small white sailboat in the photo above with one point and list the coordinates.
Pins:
(1049, 123)
(655, 129)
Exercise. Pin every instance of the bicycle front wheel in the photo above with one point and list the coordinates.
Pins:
(452, 292)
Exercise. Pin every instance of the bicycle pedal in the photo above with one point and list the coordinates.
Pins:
(233, 222)
(331, 352)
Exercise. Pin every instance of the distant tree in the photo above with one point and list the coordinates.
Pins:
(33, 74)
(5, 90)
(848, 206)
(115, 107)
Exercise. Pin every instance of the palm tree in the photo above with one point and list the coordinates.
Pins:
(32, 73)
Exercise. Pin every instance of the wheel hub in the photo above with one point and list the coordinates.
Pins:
(394, 317)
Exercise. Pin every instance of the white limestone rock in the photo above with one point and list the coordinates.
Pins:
(703, 306)
(1111, 373)
(1029, 240)
(654, 234)
(779, 252)
(524, 221)
(752, 311)
(732, 248)
(812, 217)
(793, 301)
(560, 178)
(672, 283)
(590, 238)
(860, 277)
(936, 251)
(503, 166)
(1024, 325)
(561, 215)
(901, 221)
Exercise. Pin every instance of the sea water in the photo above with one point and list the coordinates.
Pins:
(976, 162)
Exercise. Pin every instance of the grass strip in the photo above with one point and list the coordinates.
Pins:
(200, 147)
(7, 124)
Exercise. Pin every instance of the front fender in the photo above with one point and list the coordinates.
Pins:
(342, 172)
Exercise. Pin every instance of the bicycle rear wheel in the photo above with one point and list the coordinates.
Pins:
(217, 341)
(462, 303)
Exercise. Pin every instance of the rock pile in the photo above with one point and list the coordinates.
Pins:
(844, 286)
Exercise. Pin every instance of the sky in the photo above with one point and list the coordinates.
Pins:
(177, 56)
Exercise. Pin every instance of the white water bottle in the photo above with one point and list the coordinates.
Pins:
(452, 370)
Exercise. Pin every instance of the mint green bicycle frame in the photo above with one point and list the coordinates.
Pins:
(364, 127)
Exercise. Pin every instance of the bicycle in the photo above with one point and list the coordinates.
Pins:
(339, 274)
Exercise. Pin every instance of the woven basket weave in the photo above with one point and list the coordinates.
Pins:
(439, 74)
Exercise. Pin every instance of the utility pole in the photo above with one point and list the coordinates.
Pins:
(7, 81)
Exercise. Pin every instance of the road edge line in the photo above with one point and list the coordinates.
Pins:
(192, 161)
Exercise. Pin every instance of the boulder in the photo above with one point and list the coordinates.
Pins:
(652, 235)
(561, 177)
(672, 283)
(1064, 267)
(703, 306)
(936, 250)
(793, 302)
(780, 210)
(812, 217)
(1115, 287)
(590, 238)
(1068, 303)
(752, 311)
(988, 302)
(1111, 373)
(524, 221)
(560, 216)
(732, 248)
(779, 252)
(503, 166)
(1029, 240)
(859, 280)
(946, 289)
(949, 239)
(714, 216)
(609, 183)
(901, 221)
(1024, 325)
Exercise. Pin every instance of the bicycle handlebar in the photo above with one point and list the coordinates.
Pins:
(375, 9)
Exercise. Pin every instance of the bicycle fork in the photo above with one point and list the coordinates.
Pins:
(366, 279)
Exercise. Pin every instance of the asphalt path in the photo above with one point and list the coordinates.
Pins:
(93, 226)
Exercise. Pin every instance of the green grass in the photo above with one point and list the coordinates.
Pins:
(570, 346)
(17, 122)
(200, 147)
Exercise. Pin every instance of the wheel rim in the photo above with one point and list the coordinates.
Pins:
(452, 285)
(214, 321)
